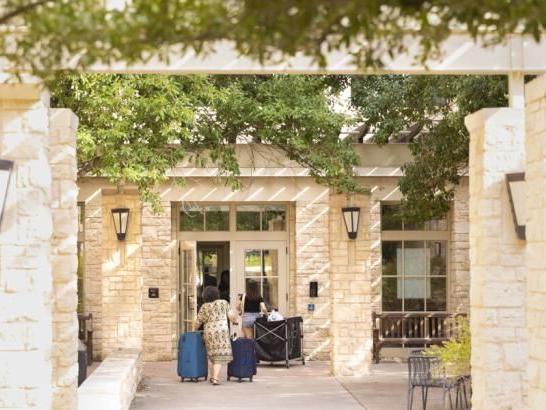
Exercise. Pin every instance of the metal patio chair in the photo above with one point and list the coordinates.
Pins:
(428, 372)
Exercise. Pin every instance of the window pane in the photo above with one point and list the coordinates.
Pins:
(271, 262)
(391, 299)
(436, 294)
(390, 220)
(414, 226)
(274, 218)
(270, 293)
(414, 258)
(414, 294)
(192, 220)
(80, 217)
(436, 225)
(437, 251)
(392, 258)
(217, 218)
(253, 262)
(248, 218)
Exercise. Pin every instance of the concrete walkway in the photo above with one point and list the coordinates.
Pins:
(274, 387)
(300, 387)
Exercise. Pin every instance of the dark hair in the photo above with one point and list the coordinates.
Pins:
(224, 278)
(253, 290)
(210, 294)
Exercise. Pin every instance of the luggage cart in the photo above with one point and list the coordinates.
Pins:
(280, 340)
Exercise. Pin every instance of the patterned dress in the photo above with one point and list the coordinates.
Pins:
(213, 316)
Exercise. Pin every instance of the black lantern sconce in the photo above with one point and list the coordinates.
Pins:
(6, 168)
(351, 216)
(121, 220)
(515, 184)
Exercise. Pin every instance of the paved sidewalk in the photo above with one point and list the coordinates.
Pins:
(274, 387)
(386, 387)
(299, 387)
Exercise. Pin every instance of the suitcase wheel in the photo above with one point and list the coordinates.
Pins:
(229, 377)
(181, 380)
(251, 379)
(240, 380)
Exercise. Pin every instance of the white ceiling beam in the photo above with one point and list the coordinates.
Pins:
(460, 55)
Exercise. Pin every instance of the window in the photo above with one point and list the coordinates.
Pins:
(261, 218)
(204, 218)
(262, 266)
(414, 264)
(391, 221)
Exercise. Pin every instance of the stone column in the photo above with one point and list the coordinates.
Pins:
(121, 277)
(26, 304)
(62, 157)
(535, 176)
(498, 274)
(38, 326)
(351, 292)
(159, 315)
(93, 267)
(459, 272)
(313, 264)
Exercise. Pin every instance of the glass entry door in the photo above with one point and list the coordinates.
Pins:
(264, 262)
(188, 281)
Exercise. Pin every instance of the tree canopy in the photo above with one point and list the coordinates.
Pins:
(85, 32)
(134, 128)
(427, 112)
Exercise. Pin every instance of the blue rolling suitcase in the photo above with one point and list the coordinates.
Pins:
(243, 365)
(192, 357)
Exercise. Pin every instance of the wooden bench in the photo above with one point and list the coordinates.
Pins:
(411, 329)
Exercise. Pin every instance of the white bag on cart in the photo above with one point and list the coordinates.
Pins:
(274, 316)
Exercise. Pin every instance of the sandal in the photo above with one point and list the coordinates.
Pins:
(214, 382)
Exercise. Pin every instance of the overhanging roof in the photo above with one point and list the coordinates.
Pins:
(460, 55)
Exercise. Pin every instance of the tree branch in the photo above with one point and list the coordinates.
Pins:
(4, 19)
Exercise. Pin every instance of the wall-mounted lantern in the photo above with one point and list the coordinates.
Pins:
(121, 220)
(516, 192)
(351, 216)
(6, 167)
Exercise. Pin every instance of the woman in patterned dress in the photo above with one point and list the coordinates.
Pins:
(214, 315)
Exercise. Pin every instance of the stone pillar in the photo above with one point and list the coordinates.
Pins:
(38, 326)
(535, 176)
(351, 292)
(26, 304)
(313, 264)
(459, 272)
(93, 267)
(498, 274)
(159, 315)
(121, 277)
(62, 157)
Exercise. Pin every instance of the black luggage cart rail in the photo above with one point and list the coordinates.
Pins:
(288, 331)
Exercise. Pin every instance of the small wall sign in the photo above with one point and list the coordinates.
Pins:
(313, 289)
(153, 293)
(311, 307)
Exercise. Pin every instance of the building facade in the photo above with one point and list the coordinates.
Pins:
(282, 230)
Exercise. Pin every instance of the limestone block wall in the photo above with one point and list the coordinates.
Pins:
(26, 304)
(93, 266)
(313, 264)
(535, 176)
(121, 277)
(351, 292)
(38, 284)
(158, 264)
(498, 274)
(62, 157)
(459, 257)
